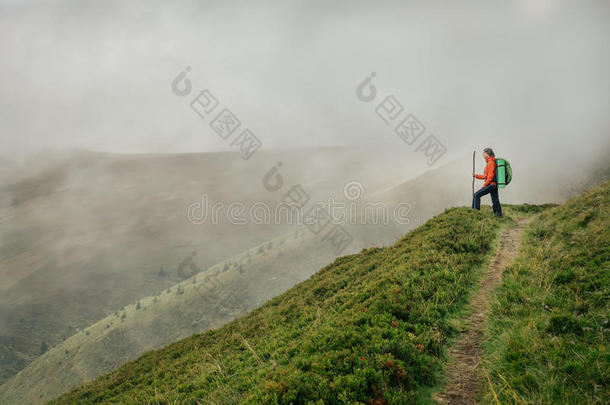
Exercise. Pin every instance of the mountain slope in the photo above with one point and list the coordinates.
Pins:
(171, 315)
(180, 309)
(372, 326)
(85, 233)
(549, 326)
(200, 302)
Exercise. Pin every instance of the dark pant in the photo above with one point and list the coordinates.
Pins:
(493, 192)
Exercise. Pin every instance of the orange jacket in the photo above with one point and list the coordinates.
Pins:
(490, 172)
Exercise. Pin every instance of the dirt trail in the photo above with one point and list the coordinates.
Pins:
(463, 377)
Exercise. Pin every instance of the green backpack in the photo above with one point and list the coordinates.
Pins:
(504, 173)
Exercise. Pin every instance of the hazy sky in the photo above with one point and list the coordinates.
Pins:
(96, 74)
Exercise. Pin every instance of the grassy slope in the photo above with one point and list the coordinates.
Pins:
(259, 274)
(83, 234)
(549, 327)
(173, 314)
(370, 328)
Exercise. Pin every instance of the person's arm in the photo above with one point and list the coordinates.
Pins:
(481, 176)
(490, 172)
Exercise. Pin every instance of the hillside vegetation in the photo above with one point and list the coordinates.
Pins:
(374, 327)
(202, 301)
(88, 233)
(371, 327)
(550, 327)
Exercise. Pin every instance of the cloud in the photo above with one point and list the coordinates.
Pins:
(96, 75)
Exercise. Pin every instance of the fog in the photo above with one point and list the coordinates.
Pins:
(102, 153)
(520, 76)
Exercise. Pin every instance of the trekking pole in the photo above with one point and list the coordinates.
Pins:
(473, 152)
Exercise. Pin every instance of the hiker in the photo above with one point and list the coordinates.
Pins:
(489, 186)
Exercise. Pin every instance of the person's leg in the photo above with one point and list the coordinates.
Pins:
(495, 200)
(476, 200)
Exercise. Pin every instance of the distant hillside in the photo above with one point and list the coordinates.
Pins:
(253, 276)
(87, 233)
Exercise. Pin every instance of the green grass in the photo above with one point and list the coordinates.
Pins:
(168, 316)
(370, 328)
(549, 327)
(374, 327)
